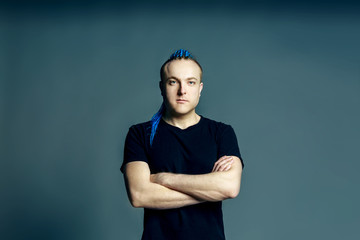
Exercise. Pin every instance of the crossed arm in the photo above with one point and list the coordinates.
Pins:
(169, 190)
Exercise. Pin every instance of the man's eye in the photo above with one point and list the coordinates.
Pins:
(172, 82)
(192, 83)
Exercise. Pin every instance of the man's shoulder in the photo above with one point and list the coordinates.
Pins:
(141, 127)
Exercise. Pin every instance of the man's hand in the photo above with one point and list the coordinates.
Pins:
(223, 164)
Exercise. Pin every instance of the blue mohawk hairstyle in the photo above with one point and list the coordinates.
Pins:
(179, 54)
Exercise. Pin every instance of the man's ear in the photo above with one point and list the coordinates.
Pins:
(161, 87)
(201, 88)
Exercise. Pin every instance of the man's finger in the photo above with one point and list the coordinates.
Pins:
(222, 161)
(225, 166)
(219, 162)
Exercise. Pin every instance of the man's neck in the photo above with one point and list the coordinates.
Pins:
(182, 122)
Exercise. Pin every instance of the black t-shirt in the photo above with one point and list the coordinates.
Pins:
(193, 150)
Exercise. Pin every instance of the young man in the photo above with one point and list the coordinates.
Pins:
(180, 166)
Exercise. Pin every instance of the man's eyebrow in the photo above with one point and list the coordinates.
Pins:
(189, 78)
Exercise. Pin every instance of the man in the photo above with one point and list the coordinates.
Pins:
(180, 166)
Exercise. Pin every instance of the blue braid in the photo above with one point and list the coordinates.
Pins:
(155, 122)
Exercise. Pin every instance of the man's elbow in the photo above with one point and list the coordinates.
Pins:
(135, 203)
(136, 200)
(231, 192)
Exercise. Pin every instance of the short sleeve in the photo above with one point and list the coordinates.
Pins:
(227, 143)
(134, 149)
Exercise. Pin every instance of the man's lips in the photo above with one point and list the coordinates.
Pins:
(181, 100)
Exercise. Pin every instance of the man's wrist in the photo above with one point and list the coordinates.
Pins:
(163, 178)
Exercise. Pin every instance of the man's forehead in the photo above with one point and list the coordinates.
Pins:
(182, 65)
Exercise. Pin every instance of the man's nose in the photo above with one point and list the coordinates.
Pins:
(182, 89)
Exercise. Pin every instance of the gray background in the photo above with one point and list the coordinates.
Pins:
(76, 75)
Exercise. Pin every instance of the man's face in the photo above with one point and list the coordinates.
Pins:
(181, 86)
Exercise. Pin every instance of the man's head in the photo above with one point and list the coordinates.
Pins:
(181, 83)
(178, 75)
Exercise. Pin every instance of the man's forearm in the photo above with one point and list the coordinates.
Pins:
(160, 197)
(208, 187)
(145, 194)
(215, 186)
